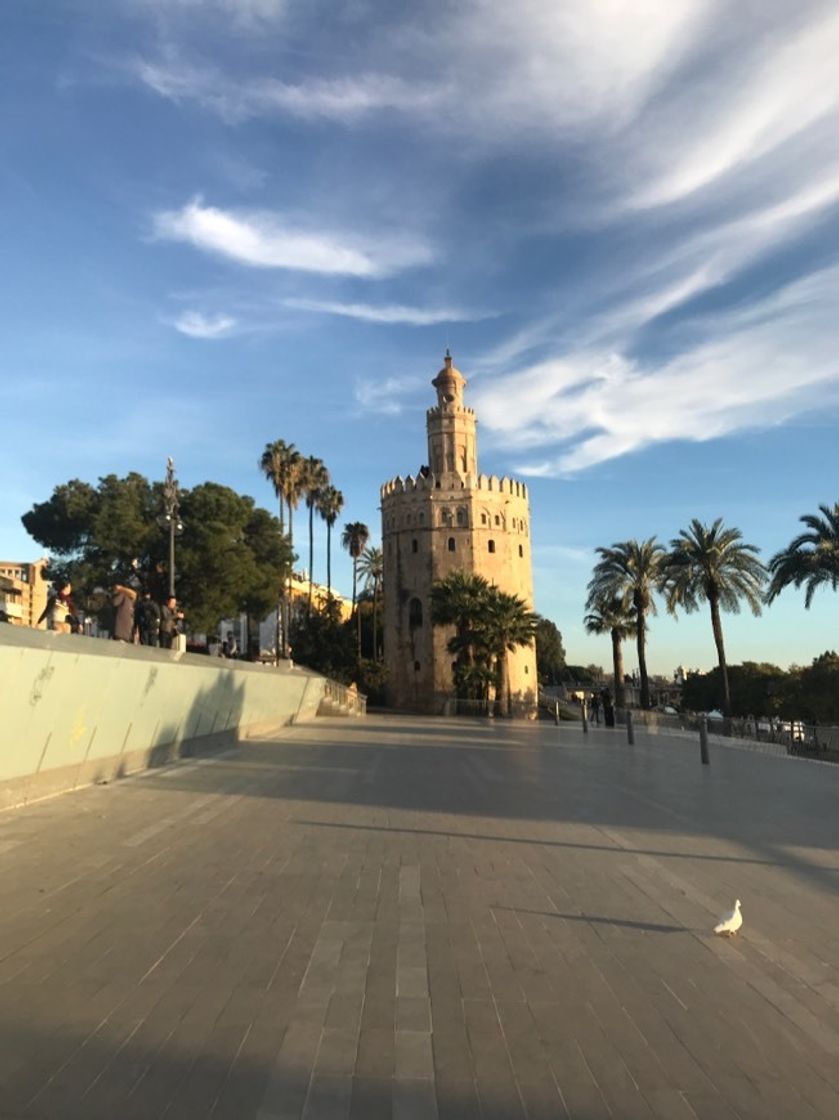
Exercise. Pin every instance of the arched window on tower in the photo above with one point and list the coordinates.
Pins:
(461, 516)
(415, 614)
(451, 544)
(491, 546)
(415, 545)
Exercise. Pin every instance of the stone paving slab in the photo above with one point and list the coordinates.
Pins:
(426, 920)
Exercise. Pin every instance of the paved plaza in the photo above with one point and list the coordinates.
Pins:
(426, 919)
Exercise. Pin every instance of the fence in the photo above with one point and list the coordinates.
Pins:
(773, 736)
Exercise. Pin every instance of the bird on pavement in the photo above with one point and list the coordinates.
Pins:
(728, 924)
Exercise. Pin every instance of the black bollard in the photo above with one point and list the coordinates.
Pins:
(630, 730)
(703, 741)
(585, 718)
(556, 712)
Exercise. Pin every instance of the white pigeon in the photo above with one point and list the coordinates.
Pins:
(729, 923)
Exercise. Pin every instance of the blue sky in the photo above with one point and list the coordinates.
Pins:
(230, 221)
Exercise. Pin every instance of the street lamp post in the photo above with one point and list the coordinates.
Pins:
(171, 520)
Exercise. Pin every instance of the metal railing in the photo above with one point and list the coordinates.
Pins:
(773, 736)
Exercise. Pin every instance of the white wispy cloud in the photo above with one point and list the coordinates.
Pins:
(386, 396)
(341, 99)
(267, 240)
(251, 15)
(779, 88)
(197, 325)
(387, 313)
(762, 365)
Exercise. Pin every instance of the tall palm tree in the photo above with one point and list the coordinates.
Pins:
(371, 569)
(506, 624)
(314, 478)
(609, 616)
(275, 463)
(631, 572)
(811, 559)
(712, 565)
(354, 539)
(280, 465)
(329, 504)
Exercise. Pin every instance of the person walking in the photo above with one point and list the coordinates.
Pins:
(594, 708)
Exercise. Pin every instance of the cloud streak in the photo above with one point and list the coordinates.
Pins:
(195, 324)
(762, 366)
(267, 240)
(387, 313)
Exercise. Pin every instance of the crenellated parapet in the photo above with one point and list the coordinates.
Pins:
(407, 485)
(504, 485)
(450, 410)
(422, 483)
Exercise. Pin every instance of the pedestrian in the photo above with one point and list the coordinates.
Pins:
(232, 645)
(608, 708)
(59, 613)
(595, 708)
(123, 600)
(147, 620)
(170, 619)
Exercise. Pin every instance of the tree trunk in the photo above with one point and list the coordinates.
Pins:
(502, 690)
(716, 623)
(642, 659)
(617, 664)
(328, 561)
(290, 596)
(355, 606)
(375, 620)
(311, 553)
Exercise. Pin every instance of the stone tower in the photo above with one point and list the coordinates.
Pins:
(449, 518)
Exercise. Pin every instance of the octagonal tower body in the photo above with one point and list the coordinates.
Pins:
(449, 518)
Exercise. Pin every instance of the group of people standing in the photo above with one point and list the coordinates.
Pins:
(141, 619)
(136, 618)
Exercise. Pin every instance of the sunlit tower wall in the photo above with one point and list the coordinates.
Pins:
(449, 518)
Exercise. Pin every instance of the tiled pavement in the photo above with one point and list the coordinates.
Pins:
(426, 919)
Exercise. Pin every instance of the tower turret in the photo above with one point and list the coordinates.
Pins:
(452, 444)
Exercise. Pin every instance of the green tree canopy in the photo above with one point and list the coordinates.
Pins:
(550, 652)
(229, 558)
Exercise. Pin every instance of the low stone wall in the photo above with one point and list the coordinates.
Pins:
(76, 710)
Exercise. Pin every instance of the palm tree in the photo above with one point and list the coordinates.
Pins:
(459, 600)
(314, 479)
(275, 464)
(712, 565)
(371, 568)
(330, 502)
(608, 616)
(811, 560)
(281, 463)
(354, 539)
(506, 624)
(630, 571)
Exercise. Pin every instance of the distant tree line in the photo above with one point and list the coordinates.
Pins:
(809, 693)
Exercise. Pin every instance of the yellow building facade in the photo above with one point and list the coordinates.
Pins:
(449, 518)
(24, 590)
